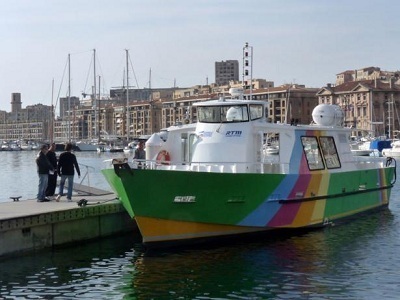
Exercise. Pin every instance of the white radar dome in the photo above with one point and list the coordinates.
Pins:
(328, 115)
(236, 92)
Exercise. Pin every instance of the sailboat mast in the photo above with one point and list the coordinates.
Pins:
(94, 94)
(98, 101)
(52, 113)
(127, 96)
(69, 97)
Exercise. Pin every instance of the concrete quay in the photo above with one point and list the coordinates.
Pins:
(28, 225)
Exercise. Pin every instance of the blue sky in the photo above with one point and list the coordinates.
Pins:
(306, 42)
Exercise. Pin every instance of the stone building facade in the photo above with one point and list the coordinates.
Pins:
(370, 106)
(369, 73)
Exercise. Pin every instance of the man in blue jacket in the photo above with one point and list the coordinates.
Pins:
(65, 168)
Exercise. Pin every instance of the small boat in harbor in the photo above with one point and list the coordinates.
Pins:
(109, 148)
(60, 147)
(360, 147)
(392, 152)
(26, 146)
(87, 146)
(212, 179)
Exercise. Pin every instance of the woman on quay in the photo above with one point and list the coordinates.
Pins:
(52, 183)
(43, 168)
(65, 168)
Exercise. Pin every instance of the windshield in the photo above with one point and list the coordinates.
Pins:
(256, 111)
(223, 114)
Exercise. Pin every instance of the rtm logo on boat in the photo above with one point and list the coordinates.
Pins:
(184, 199)
(232, 133)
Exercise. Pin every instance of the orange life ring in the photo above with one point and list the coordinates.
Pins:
(163, 157)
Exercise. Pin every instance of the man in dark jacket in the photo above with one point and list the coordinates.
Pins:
(51, 185)
(140, 153)
(65, 168)
(43, 169)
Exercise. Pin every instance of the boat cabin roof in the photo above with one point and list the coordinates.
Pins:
(229, 102)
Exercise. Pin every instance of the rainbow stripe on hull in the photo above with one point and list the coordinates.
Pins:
(154, 230)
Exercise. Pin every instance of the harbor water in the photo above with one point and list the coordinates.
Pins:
(357, 260)
(19, 174)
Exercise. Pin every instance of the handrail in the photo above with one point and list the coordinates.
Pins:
(234, 166)
(225, 166)
(86, 174)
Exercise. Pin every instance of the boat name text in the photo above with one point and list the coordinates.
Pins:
(232, 133)
(184, 199)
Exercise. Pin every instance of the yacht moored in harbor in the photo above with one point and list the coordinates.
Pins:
(213, 179)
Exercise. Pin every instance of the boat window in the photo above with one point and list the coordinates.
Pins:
(209, 114)
(271, 144)
(312, 152)
(256, 111)
(223, 114)
(237, 114)
(330, 152)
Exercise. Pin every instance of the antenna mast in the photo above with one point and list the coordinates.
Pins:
(247, 80)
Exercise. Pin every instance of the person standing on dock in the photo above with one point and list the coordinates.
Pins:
(65, 168)
(51, 185)
(43, 168)
(140, 153)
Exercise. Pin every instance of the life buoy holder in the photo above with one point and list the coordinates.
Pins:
(163, 157)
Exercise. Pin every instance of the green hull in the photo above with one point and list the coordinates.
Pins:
(251, 202)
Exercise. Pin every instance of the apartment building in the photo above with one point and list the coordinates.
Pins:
(139, 118)
(255, 84)
(67, 104)
(226, 71)
(30, 123)
(287, 104)
(37, 131)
